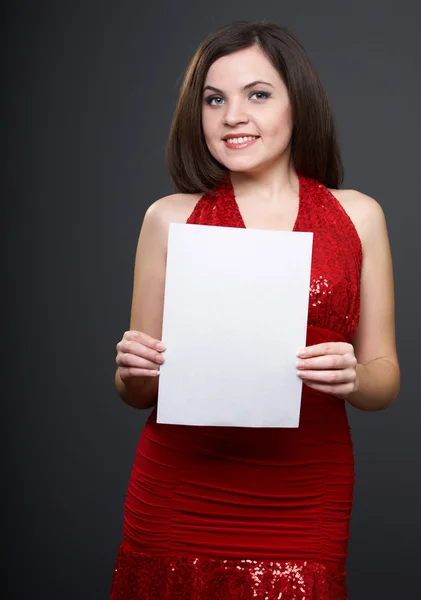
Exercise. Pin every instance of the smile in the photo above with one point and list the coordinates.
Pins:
(240, 142)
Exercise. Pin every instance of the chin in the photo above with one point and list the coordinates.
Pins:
(239, 163)
(238, 166)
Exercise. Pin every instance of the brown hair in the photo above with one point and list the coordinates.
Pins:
(314, 149)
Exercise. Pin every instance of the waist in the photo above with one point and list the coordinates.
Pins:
(323, 429)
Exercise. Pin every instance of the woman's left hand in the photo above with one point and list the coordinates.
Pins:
(330, 367)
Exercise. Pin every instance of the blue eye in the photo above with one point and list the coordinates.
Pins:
(265, 94)
(209, 100)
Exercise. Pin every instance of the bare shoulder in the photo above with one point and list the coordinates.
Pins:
(175, 208)
(364, 211)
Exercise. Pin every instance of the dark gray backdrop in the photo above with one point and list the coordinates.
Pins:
(90, 91)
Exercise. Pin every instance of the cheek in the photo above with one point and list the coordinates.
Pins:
(209, 131)
(208, 125)
(282, 125)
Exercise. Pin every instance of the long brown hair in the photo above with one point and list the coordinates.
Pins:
(314, 148)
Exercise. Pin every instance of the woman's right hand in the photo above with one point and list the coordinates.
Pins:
(138, 355)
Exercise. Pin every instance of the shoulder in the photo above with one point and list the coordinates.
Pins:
(175, 208)
(364, 211)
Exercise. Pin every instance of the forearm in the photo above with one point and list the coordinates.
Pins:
(377, 385)
(142, 394)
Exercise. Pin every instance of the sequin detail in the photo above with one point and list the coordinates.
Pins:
(280, 493)
(337, 250)
(141, 577)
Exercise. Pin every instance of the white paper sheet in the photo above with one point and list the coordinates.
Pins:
(235, 314)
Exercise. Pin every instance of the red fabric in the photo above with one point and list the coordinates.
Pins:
(220, 512)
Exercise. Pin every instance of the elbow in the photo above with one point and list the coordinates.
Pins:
(395, 389)
(394, 384)
(378, 387)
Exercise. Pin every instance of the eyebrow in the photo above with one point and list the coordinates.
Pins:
(246, 87)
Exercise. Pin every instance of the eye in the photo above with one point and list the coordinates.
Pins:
(218, 100)
(264, 94)
(209, 100)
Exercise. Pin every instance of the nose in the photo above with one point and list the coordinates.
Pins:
(235, 114)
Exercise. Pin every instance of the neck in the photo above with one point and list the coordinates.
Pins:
(272, 184)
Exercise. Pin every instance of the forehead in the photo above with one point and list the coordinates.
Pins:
(240, 68)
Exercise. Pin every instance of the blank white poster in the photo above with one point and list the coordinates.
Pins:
(235, 315)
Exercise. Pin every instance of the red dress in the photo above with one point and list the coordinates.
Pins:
(217, 513)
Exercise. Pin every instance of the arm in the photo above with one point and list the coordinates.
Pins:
(378, 373)
(141, 391)
(365, 373)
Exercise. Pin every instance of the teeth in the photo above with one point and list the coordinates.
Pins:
(241, 140)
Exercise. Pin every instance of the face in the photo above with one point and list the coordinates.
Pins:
(235, 109)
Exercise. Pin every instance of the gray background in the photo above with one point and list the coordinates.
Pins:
(90, 89)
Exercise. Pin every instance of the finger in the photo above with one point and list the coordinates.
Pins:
(137, 349)
(329, 377)
(327, 361)
(128, 372)
(145, 339)
(325, 348)
(340, 391)
(130, 360)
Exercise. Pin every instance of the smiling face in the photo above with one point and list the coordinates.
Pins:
(244, 97)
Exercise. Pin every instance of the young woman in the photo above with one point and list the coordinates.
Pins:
(237, 513)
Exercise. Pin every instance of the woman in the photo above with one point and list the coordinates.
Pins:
(216, 513)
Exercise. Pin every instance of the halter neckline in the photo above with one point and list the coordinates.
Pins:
(230, 195)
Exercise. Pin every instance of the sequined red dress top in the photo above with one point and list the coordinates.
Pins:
(221, 513)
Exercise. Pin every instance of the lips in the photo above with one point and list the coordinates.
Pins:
(239, 136)
(239, 143)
